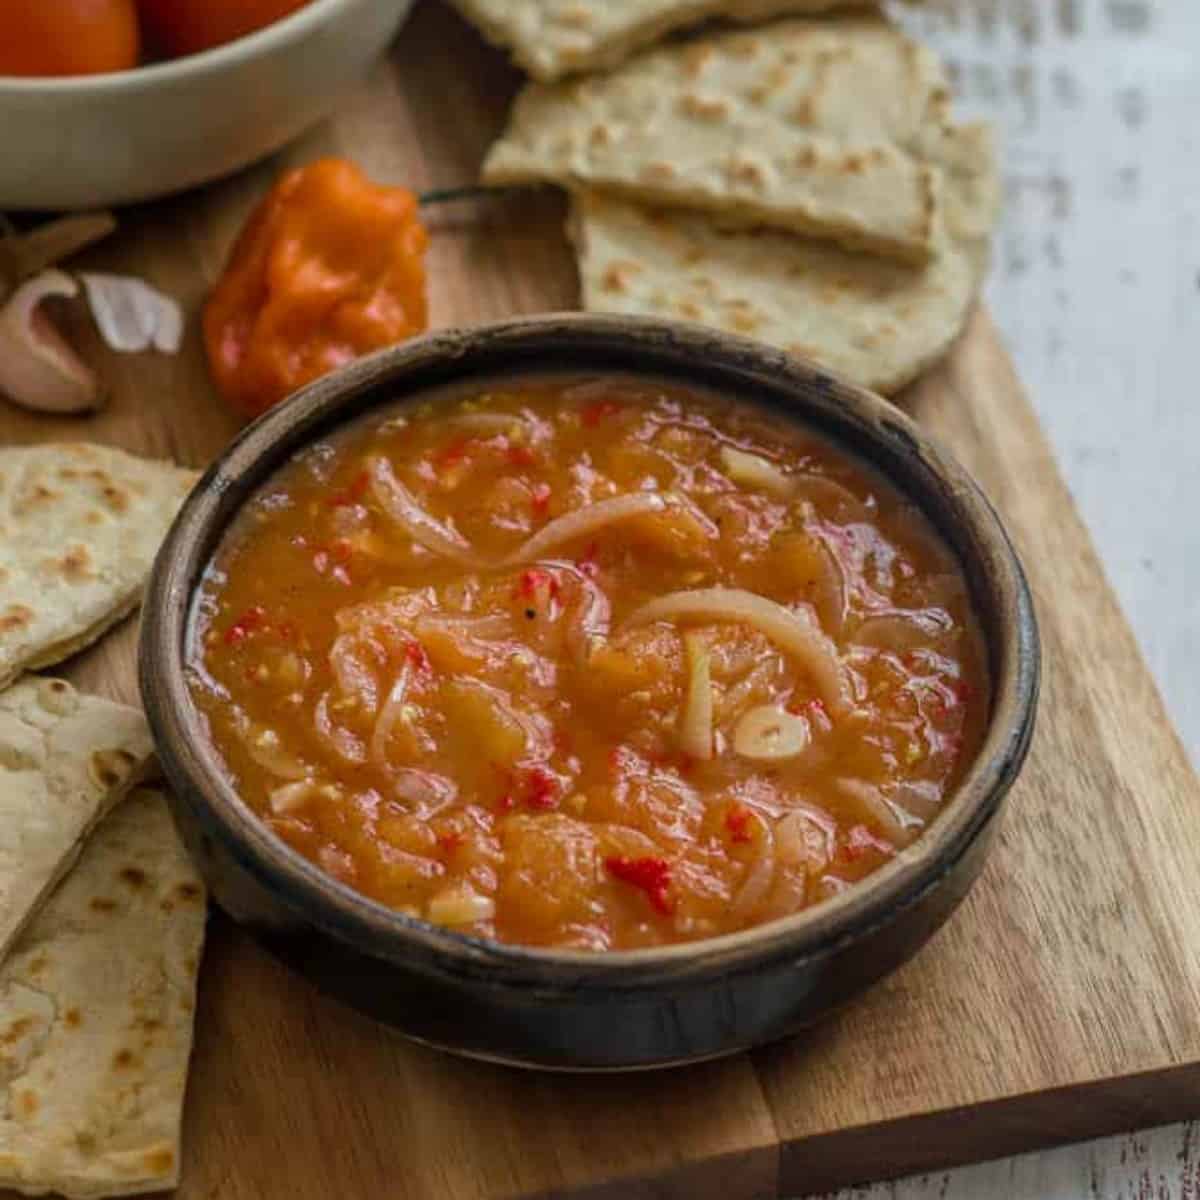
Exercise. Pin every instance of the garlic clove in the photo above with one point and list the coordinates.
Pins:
(38, 368)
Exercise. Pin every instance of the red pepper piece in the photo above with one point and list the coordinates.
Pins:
(541, 789)
(415, 656)
(737, 821)
(521, 456)
(251, 621)
(453, 453)
(535, 578)
(593, 414)
(651, 875)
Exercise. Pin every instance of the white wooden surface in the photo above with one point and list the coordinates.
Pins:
(1097, 288)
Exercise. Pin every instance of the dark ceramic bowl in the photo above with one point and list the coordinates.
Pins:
(580, 1010)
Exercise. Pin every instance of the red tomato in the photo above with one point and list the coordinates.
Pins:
(67, 37)
(178, 27)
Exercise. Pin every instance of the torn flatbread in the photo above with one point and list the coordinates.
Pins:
(552, 38)
(65, 760)
(877, 323)
(831, 128)
(79, 528)
(96, 1012)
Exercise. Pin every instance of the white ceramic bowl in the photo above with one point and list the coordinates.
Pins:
(99, 140)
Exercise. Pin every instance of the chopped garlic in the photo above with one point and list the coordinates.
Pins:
(460, 906)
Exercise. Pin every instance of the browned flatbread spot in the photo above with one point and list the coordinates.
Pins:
(15, 617)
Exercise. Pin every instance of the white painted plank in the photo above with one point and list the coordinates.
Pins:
(1096, 286)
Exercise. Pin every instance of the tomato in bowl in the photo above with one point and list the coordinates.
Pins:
(93, 140)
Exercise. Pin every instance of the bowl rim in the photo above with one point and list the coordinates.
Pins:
(204, 62)
(191, 763)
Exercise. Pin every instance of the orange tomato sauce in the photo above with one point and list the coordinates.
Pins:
(586, 663)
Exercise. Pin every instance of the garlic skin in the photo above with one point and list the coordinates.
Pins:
(131, 315)
(38, 368)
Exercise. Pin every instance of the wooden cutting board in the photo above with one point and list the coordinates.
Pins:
(1062, 1001)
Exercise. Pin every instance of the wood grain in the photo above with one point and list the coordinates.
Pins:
(1057, 1004)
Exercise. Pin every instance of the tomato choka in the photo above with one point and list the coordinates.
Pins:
(589, 664)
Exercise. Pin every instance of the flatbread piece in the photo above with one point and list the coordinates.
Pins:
(877, 323)
(65, 760)
(828, 128)
(552, 38)
(79, 528)
(96, 1008)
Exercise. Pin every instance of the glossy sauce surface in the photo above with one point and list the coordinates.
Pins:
(588, 663)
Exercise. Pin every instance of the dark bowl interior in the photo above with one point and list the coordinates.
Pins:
(577, 1009)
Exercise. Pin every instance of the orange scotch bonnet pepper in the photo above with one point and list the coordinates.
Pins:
(328, 267)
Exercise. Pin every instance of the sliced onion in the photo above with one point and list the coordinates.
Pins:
(492, 423)
(696, 724)
(758, 682)
(498, 625)
(460, 905)
(792, 632)
(761, 875)
(831, 499)
(264, 746)
(427, 790)
(770, 734)
(901, 631)
(587, 521)
(342, 741)
(389, 715)
(401, 505)
(291, 796)
(752, 471)
(38, 369)
(133, 316)
(355, 680)
(920, 799)
(897, 824)
(806, 837)
(589, 617)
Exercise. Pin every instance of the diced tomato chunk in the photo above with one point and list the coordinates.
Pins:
(521, 456)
